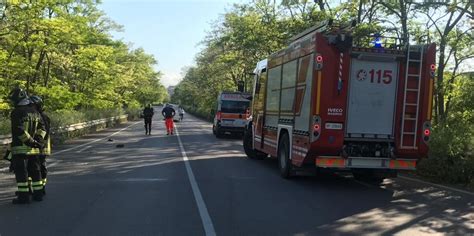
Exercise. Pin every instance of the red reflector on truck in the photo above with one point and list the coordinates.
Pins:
(330, 162)
(402, 164)
(319, 58)
(317, 127)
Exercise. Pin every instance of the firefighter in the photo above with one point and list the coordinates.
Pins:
(168, 112)
(28, 135)
(148, 113)
(46, 151)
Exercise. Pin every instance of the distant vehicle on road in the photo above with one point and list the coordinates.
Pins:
(326, 103)
(231, 113)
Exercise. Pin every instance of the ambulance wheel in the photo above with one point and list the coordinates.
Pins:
(248, 147)
(284, 157)
(214, 129)
(218, 133)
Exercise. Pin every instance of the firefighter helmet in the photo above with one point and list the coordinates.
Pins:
(37, 101)
(18, 97)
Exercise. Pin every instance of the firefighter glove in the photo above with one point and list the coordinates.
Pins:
(34, 144)
(40, 140)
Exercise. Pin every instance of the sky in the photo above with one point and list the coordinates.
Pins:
(171, 30)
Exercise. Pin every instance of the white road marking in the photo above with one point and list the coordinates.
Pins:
(82, 145)
(205, 218)
(436, 185)
(83, 149)
(142, 180)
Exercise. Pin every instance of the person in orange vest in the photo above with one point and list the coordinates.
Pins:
(168, 112)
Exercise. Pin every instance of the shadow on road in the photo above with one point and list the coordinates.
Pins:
(319, 205)
(243, 196)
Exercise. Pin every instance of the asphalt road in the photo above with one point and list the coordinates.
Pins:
(196, 184)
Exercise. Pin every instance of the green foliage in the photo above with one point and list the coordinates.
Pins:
(63, 51)
(4, 125)
(247, 34)
(134, 113)
(63, 118)
(452, 146)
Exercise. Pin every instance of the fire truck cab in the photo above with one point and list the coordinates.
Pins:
(325, 103)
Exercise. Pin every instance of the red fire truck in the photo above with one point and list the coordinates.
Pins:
(326, 103)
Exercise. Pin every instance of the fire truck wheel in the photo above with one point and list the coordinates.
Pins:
(284, 156)
(214, 129)
(247, 143)
(248, 148)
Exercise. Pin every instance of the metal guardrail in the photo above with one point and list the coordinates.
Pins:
(6, 139)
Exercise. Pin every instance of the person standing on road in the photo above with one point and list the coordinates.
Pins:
(46, 151)
(148, 113)
(181, 113)
(168, 112)
(28, 135)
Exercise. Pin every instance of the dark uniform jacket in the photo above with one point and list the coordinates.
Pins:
(26, 125)
(168, 112)
(148, 112)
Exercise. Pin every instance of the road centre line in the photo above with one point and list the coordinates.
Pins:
(205, 218)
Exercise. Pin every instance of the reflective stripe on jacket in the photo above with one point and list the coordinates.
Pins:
(25, 150)
(26, 125)
(46, 151)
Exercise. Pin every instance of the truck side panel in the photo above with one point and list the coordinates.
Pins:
(302, 109)
(330, 103)
(272, 97)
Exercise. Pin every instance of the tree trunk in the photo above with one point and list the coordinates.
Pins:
(38, 65)
(321, 5)
(359, 12)
(439, 82)
(403, 20)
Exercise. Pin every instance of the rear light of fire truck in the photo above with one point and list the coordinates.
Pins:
(432, 70)
(319, 61)
(426, 131)
(316, 127)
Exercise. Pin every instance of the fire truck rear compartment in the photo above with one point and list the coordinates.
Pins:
(372, 97)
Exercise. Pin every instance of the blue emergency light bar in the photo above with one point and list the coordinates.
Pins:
(377, 41)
